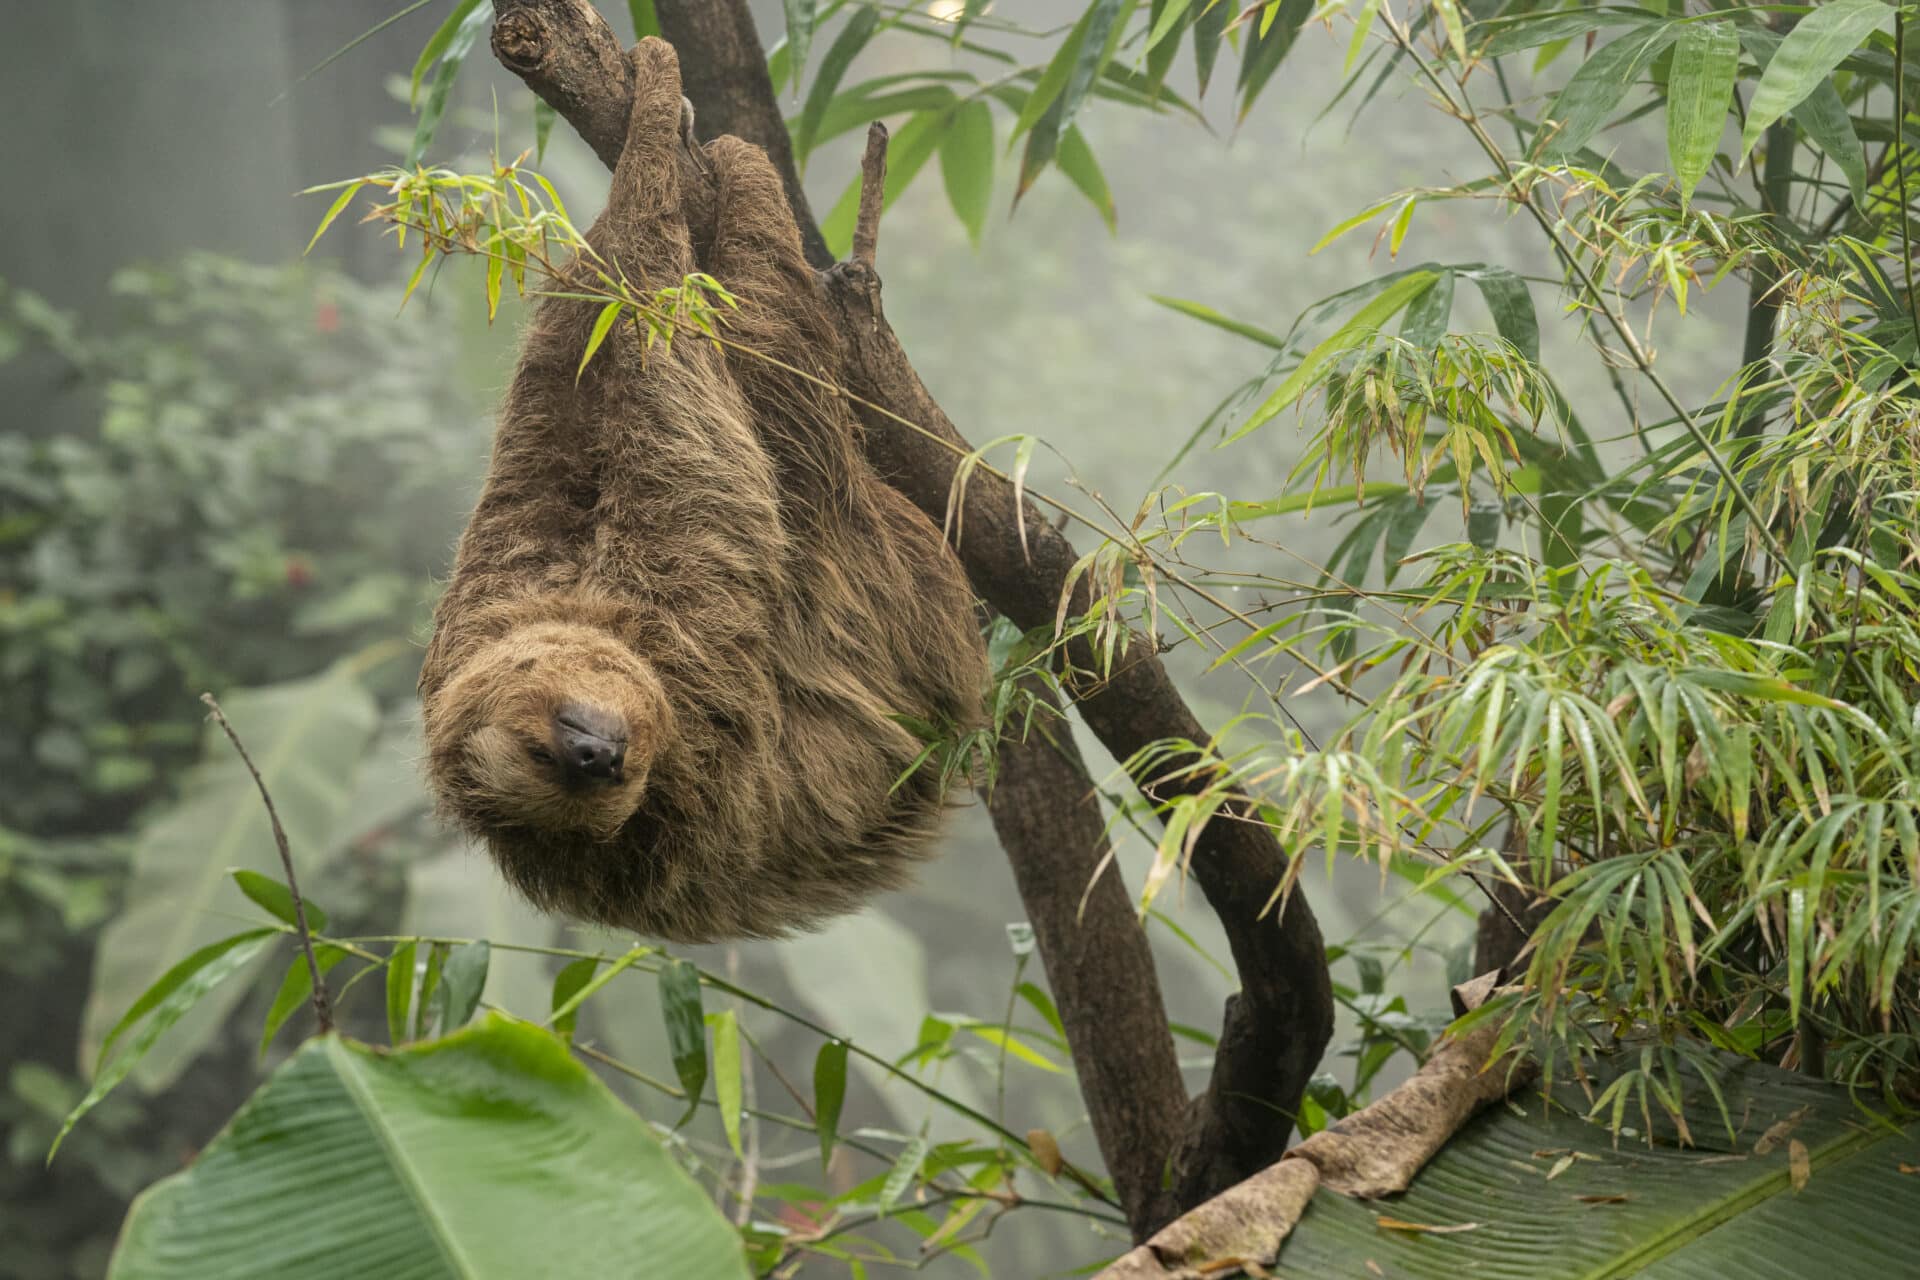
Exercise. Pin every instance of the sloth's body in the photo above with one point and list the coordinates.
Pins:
(663, 678)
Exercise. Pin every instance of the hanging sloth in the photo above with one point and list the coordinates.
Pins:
(664, 677)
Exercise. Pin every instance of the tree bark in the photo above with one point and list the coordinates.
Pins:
(1277, 1027)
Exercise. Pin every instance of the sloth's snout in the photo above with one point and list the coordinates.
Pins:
(591, 743)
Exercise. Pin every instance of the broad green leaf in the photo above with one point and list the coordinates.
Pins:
(1511, 303)
(491, 1153)
(1207, 315)
(680, 1006)
(1530, 31)
(840, 55)
(461, 983)
(1601, 84)
(829, 1094)
(478, 18)
(1426, 320)
(727, 1086)
(212, 966)
(966, 165)
(296, 989)
(400, 979)
(566, 985)
(1714, 1209)
(271, 894)
(1699, 90)
(1075, 159)
(436, 45)
(309, 738)
(1806, 57)
(800, 20)
(1365, 321)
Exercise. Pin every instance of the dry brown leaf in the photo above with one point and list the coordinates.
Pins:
(1778, 1132)
(1799, 1165)
(1617, 1197)
(1046, 1151)
(1374, 1267)
(1909, 1168)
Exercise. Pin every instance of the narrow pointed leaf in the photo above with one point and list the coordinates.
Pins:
(1699, 91)
(829, 1094)
(1806, 57)
(966, 165)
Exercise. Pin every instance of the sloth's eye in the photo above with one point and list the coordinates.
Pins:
(540, 755)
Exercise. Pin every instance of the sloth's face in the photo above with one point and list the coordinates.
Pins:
(552, 727)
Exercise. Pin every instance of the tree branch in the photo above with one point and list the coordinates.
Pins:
(1277, 1027)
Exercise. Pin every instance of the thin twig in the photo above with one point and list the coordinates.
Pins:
(322, 1002)
(873, 187)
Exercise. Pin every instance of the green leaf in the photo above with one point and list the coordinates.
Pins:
(1367, 320)
(296, 989)
(310, 738)
(680, 1006)
(1601, 84)
(1170, 15)
(334, 210)
(543, 117)
(800, 20)
(567, 984)
(966, 165)
(400, 977)
(1075, 159)
(840, 55)
(727, 1086)
(1207, 315)
(451, 57)
(461, 983)
(590, 983)
(901, 1176)
(183, 986)
(602, 325)
(436, 45)
(1267, 50)
(273, 895)
(1051, 109)
(491, 1153)
(1426, 320)
(1511, 303)
(1209, 27)
(829, 1094)
(645, 21)
(1530, 31)
(1807, 56)
(1643, 1207)
(1699, 90)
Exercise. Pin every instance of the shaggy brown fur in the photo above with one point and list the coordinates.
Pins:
(688, 551)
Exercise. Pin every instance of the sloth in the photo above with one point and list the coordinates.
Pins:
(687, 625)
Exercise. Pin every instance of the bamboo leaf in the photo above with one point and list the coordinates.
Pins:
(840, 55)
(602, 324)
(1806, 57)
(728, 1089)
(1075, 159)
(1699, 91)
(400, 976)
(829, 1094)
(966, 166)
(1600, 85)
(800, 20)
(686, 1029)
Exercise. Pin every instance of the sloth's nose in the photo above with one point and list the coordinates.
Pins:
(592, 744)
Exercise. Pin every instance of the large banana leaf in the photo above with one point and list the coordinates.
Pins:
(491, 1152)
(1524, 1194)
(308, 738)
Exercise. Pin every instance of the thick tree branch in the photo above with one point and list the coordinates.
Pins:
(1278, 1026)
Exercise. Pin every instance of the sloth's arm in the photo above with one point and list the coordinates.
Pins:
(792, 357)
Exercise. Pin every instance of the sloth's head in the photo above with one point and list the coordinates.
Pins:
(552, 727)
